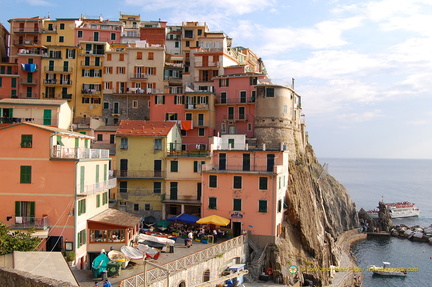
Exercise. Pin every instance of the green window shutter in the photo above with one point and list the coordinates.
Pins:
(263, 183)
(174, 166)
(237, 182)
(97, 173)
(195, 168)
(25, 174)
(213, 181)
(105, 198)
(85, 236)
(82, 178)
(262, 206)
(59, 140)
(79, 239)
(32, 209)
(237, 206)
(17, 208)
(76, 142)
(98, 200)
(79, 207)
(212, 203)
(86, 143)
(84, 206)
(26, 141)
(105, 172)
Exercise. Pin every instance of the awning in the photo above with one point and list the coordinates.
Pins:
(214, 219)
(185, 218)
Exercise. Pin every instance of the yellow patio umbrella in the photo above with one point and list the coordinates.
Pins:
(214, 219)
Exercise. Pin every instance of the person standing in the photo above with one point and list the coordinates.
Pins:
(107, 283)
(190, 238)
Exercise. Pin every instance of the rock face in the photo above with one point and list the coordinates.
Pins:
(319, 210)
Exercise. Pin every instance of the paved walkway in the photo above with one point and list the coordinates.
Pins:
(86, 279)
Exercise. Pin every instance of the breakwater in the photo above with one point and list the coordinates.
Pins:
(414, 233)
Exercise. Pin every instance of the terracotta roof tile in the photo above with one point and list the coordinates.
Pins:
(144, 128)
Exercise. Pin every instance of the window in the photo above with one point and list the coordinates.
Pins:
(223, 82)
(150, 55)
(201, 132)
(81, 206)
(270, 92)
(158, 144)
(198, 165)
(100, 137)
(105, 198)
(123, 186)
(26, 141)
(263, 183)
(237, 182)
(48, 38)
(112, 139)
(237, 204)
(243, 97)
(124, 143)
(61, 39)
(174, 166)
(121, 57)
(25, 174)
(223, 97)
(160, 100)
(82, 238)
(212, 203)
(134, 104)
(213, 181)
(173, 190)
(98, 202)
(62, 26)
(262, 206)
(139, 56)
(279, 205)
(136, 207)
(80, 34)
(106, 105)
(147, 207)
(157, 187)
(113, 36)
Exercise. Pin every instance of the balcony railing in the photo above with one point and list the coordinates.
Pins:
(61, 152)
(240, 168)
(189, 153)
(39, 121)
(20, 222)
(91, 64)
(220, 100)
(138, 76)
(58, 82)
(27, 30)
(26, 95)
(90, 189)
(139, 174)
(196, 106)
(58, 69)
(177, 198)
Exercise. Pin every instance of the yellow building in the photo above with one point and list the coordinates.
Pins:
(141, 151)
(59, 63)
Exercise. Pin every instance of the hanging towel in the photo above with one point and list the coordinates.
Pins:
(186, 125)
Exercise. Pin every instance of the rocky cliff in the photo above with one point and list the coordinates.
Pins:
(319, 210)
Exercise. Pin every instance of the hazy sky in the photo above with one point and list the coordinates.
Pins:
(363, 68)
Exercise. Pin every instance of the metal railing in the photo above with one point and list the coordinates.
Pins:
(157, 274)
(39, 121)
(22, 222)
(60, 69)
(239, 168)
(188, 153)
(90, 189)
(59, 151)
(139, 174)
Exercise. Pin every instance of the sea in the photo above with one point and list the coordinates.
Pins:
(393, 180)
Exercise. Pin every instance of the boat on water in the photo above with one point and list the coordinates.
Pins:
(398, 210)
(385, 270)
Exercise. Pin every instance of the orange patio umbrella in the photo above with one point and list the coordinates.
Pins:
(214, 219)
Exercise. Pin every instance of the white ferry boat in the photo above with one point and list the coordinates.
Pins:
(398, 210)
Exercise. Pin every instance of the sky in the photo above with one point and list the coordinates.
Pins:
(362, 68)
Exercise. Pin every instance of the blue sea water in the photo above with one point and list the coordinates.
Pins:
(367, 182)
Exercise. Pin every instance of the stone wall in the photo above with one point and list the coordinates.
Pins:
(14, 278)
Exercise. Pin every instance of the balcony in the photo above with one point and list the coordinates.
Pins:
(90, 189)
(66, 96)
(140, 174)
(138, 76)
(91, 92)
(197, 106)
(188, 153)
(89, 64)
(58, 69)
(174, 198)
(27, 30)
(55, 82)
(60, 152)
(228, 168)
(220, 100)
(26, 95)
(20, 222)
(27, 82)
(39, 121)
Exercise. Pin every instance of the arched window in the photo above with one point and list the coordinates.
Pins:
(182, 284)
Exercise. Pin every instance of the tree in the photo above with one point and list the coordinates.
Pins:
(16, 240)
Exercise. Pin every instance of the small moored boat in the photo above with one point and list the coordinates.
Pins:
(385, 270)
